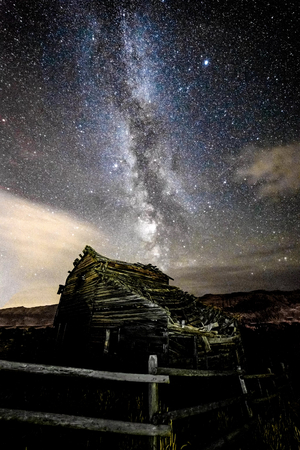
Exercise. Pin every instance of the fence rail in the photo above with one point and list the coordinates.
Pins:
(194, 410)
(85, 423)
(195, 373)
(82, 373)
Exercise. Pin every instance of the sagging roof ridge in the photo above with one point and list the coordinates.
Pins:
(89, 250)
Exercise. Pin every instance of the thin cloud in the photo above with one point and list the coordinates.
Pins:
(38, 246)
(276, 171)
(228, 279)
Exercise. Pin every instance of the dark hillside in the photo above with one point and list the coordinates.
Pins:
(270, 326)
(257, 307)
(39, 316)
(27, 334)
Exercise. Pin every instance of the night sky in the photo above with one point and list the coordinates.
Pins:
(157, 131)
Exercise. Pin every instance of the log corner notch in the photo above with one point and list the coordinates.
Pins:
(128, 311)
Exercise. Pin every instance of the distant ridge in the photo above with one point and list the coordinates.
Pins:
(258, 307)
(38, 316)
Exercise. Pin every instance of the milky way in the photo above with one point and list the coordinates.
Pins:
(167, 130)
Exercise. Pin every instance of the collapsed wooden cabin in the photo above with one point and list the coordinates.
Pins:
(116, 311)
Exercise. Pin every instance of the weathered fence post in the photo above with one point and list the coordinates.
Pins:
(153, 399)
(195, 352)
(244, 391)
(107, 340)
(166, 348)
(285, 374)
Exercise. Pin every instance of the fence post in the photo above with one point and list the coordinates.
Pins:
(244, 391)
(107, 340)
(166, 349)
(195, 352)
(153, 399)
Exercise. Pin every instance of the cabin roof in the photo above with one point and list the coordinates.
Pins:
(140, 269)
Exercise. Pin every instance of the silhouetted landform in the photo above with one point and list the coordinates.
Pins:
(27, 334)
(38, 316)
(259, 307)
(270, 326)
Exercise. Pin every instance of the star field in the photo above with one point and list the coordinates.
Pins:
(159, 131)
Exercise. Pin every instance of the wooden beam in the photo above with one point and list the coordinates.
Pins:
(194, 410)
(84, 423)
(265, 399)
(262, 375)
(81, 373)
(223, 340)
(194, 373)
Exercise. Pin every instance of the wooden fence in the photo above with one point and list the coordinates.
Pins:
(159, 421)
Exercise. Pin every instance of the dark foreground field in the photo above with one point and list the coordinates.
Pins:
(270, 329)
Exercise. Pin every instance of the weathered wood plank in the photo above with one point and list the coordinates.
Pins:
(84, 423)
(223, 340)
(265, 399)
(82, 373)
(194, 410)
(255, 376)
(194, 373)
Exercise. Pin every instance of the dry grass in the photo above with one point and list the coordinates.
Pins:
(280, 433)
(171, 443)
